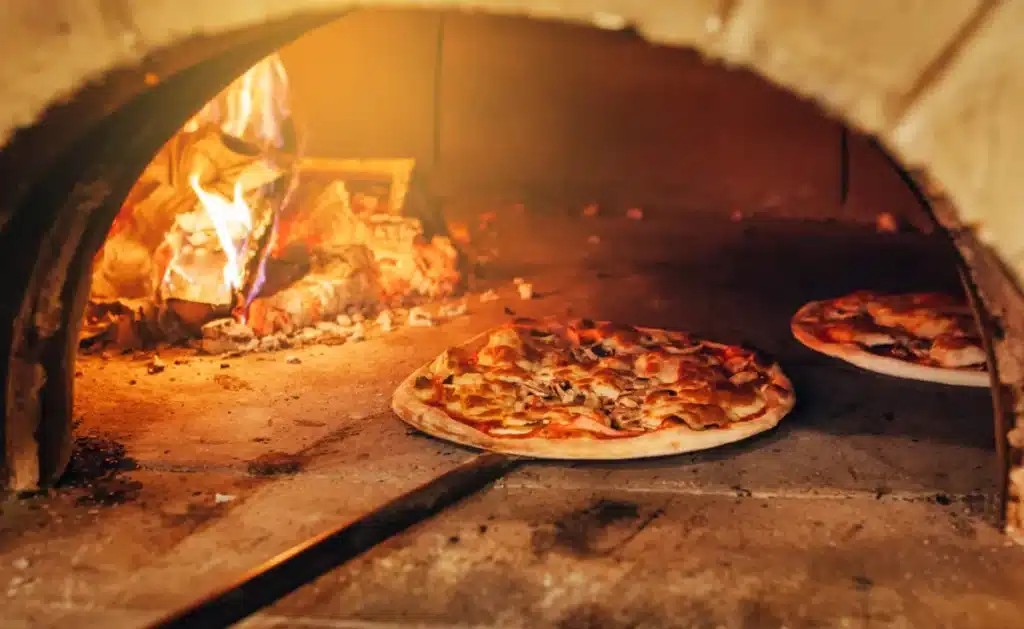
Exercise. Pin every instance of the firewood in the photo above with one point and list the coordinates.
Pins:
(311, 300)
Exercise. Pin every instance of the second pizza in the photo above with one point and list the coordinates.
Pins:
(920, 336)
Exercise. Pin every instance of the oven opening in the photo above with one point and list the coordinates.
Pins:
(234, 242)
(320, 219)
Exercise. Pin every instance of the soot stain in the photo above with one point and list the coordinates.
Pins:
(757, 613)
(587, 616)
(275, 464)
(962, 526)
(578, 532)
(96, 466)
(194, 517)
(643, 614)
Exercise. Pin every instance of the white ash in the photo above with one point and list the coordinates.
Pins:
(344, 320)
(155, 365)
(220, 498)
(330, 328)
(525, 290)
(450, 311)
(225, 335)
(21, 563)
(305, 336)
(385, 321)
(490, 295)
(271, 343)
(240, 350)
(420, 317)
(293, 360)
(358, 332)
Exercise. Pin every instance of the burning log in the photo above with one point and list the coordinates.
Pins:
(227, 335)
(409, 266)
(162, 213)
(343, 278)
(310, 301)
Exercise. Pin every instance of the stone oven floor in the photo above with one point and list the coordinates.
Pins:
(865, 508)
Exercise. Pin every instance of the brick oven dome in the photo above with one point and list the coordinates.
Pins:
(938, 82)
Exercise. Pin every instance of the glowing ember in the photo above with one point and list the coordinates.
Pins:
(232, 221)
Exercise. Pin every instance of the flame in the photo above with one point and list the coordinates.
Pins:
(252, 107)
(232, 222)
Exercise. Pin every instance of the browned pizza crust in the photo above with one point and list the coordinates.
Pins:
(667, 441)
(855, 355)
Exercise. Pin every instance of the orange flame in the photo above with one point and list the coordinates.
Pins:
(252, 107)
(232, 222)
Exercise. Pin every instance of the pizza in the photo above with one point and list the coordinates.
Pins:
(921, 336)
(593, 390)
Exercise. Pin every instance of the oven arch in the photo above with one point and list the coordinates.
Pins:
(936, 83)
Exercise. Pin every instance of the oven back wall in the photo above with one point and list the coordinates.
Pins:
(539, 112)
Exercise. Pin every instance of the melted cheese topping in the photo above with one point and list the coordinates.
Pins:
(596, 380)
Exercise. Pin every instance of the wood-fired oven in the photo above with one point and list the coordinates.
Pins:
(228, 232)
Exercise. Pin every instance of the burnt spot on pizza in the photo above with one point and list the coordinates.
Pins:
(673, 420)
(888, 350)
(450, 379)
(423, 382)
(510, 312)
(587, 324)
(758, 356)
(600, 351)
